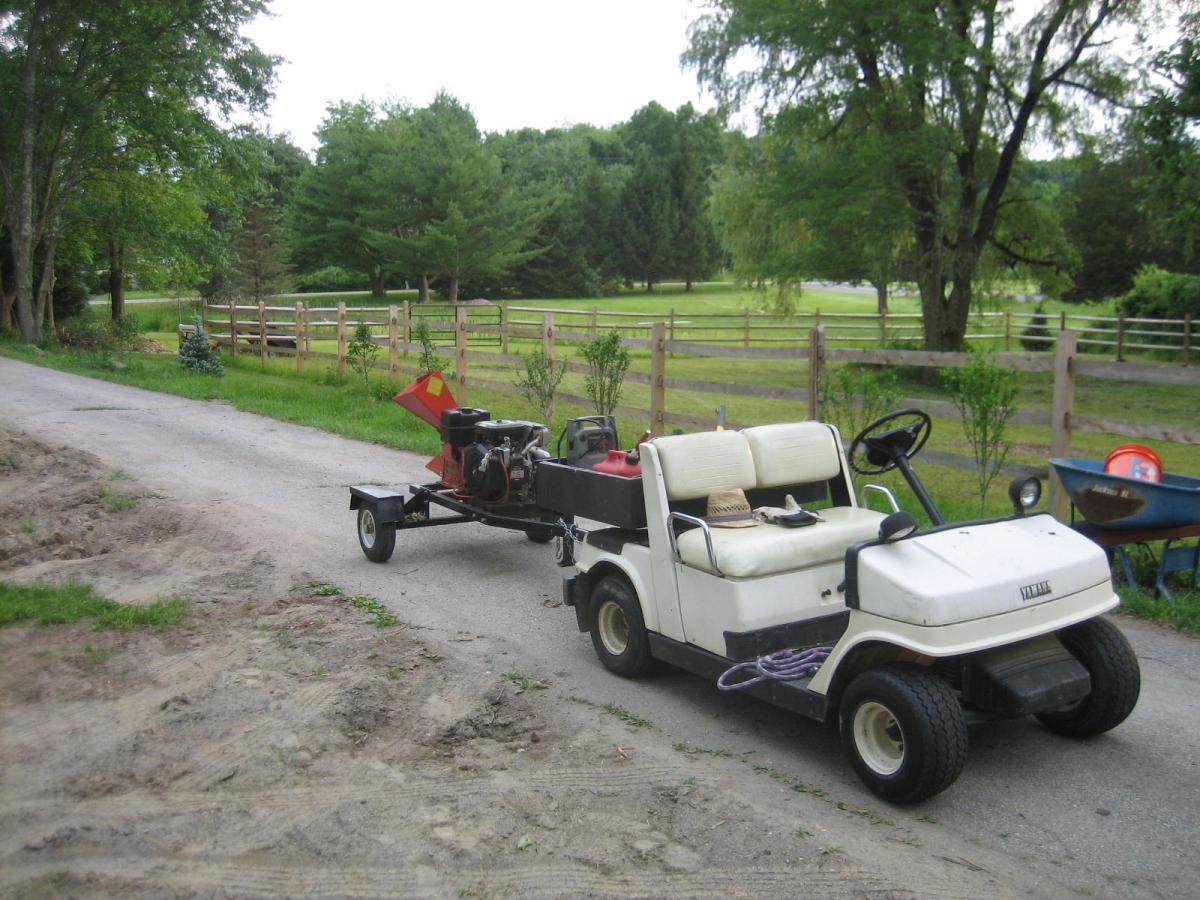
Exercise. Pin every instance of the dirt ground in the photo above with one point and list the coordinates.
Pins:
(278, 743)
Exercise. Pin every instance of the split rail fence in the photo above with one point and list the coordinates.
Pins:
(291, 330)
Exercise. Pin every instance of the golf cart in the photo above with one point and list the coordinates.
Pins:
(899, 634)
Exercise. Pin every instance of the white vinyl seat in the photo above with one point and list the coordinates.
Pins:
(766, 456)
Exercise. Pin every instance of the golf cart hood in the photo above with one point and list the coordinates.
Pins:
(959, 573)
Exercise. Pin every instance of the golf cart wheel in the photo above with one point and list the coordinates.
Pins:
(1116, 680)
(377, 539)
(904, 731)
(618, 630)
(539, 537)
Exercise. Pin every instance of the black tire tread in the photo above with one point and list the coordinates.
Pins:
(636, 661)
(385, 540)
(1116, 680)
(941, 740)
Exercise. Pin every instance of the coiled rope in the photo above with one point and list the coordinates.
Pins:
(782, 665)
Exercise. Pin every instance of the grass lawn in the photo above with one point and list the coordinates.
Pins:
(52, 604)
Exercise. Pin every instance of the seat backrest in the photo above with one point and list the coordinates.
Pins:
(695, 465)
(793, 453)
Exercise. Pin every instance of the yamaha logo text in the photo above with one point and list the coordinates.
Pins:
(1035, 590)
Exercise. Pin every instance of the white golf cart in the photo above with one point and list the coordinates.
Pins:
(921, 630)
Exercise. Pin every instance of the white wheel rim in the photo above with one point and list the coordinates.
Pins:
(878, 738)
(613, 627)
(366, 528)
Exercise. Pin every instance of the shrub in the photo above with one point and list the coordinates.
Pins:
(198, 353)
(608, 361)
(985, 393)
(1158, 294)
(429, 361)
(543, 374)
(853, 398)
(362, 352)
(331, 278)
(1038, 327)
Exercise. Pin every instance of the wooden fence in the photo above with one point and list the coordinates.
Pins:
(291, 330)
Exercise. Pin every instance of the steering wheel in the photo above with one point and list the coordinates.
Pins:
(878, 446)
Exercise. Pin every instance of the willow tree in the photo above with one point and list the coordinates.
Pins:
(81, 81)
(953, 88)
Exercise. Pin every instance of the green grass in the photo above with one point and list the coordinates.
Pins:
(380, 615)
(51, 604)
(1181, 612)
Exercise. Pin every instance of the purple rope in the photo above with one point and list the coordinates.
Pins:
(782, 665)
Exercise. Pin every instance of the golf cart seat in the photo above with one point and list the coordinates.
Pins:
(781, 456)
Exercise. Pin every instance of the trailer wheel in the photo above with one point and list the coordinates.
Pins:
(1116, 680)
(618, 630)
(904, 731)
(539, 537)
(377, 539)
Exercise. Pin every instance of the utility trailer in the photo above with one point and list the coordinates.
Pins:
(898, 634)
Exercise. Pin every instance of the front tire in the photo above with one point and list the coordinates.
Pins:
(618, 630)
(377, 539)
(1116, 680)
(904, 731)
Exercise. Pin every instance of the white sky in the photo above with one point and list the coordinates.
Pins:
(515, 63)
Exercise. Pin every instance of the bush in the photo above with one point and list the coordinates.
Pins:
(985, 393)
(1038, 327)
(542, 376)
(362, 352)
(608, 361)
(87, 331)
(332, 278)
(429, 361)
(198, 353)
(854, 398)
(1158, 294)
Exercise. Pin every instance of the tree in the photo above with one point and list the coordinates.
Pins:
(953, 88)
(78, 80)
(262, 258)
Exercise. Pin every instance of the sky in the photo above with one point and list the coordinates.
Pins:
(515, 63)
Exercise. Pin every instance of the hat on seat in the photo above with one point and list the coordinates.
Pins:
(729, 509)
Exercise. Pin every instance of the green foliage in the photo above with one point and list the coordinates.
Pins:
(331, 278)
(429, 361)
(1038, 327)
(198, 354)
(1157, 294)
(543, 374)
(985, 393)
(87, 332)
(380, 615)
(362, 352)
(608, 361)
(854, 397)
(53, 604)
(522, 682)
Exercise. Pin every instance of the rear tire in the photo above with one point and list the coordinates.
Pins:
(377, 539)
(904, 732)
(539, 537)
(1116, 680)
(618, 630)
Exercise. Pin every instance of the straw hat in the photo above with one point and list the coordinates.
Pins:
(729, 509)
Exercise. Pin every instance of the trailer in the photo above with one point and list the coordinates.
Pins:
(745, 557)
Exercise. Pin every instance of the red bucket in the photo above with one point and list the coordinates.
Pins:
(1134, 461)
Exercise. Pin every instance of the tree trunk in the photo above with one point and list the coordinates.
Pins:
(378, 289)
(6, 311)
(22, 228)
(116, 278)
(452, 290)
(881, 296)
(423, 289)
(687, 286)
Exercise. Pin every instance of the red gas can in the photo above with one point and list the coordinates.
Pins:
(617, 463)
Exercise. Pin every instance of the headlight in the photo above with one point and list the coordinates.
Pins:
(1024, 492)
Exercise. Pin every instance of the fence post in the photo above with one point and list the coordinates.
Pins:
(548, 334)
(301, 337)
(1120, 338)
(233, 335)
(1062, 320)
(341, 336)
(658, 379)
(504, 327)
(307, 336)
(1187, 339)
(816, 366)
(262, 333)
(393, 337)
(1008, 331)
(671, 329)
(746, 328)
(816, 317)
(407, 326)
(595, 324)
(1060, 423)
(460, 353)
(883, 329)
(204, 317)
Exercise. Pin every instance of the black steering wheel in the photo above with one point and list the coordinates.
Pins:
(878, 446)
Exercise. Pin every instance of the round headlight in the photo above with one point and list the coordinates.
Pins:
(1025, 493)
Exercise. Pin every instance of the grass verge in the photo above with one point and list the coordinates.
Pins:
(52, 604)
(1181, 612)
